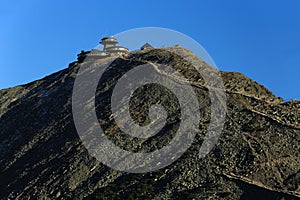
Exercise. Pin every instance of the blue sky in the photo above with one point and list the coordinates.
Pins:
(261, 39)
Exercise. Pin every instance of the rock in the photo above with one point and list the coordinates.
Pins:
(257, 155)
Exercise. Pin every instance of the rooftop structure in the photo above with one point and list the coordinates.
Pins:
(111, 45)
(146, 46)
(110, 48)
(108, 42)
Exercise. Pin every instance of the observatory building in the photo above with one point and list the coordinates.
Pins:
(110, 45)
(110, 48)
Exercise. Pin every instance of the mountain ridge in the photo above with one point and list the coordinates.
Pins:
(43, 157)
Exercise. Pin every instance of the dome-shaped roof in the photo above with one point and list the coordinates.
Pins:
(110, 40)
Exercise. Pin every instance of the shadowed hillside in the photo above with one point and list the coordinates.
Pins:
(42, 157)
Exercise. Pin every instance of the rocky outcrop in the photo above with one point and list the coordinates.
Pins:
(42, 157)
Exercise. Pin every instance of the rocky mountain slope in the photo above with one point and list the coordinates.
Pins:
(42, 156)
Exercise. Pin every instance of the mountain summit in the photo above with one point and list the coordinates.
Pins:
(42, 156)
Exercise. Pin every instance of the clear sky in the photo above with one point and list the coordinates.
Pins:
(261, 39)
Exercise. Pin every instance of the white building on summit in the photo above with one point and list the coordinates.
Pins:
(110, 48)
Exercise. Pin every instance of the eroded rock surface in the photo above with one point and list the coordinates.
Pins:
(42, 157)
